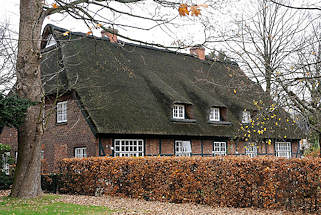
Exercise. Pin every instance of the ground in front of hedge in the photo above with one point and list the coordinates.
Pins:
(81, 204)
(49, 205)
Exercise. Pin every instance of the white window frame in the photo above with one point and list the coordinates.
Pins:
(246, 117)
(62, 112)
(283, 149)
(42, 154)
(128, 148)
(215, 114)
(5, 164)
(219, 148)
(251, 150)
(81, 152)
(178, 111)
(183, 148)
(50, 41)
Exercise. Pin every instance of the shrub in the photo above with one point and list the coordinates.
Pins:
(5, 181)
(50, 182)
(262, 182)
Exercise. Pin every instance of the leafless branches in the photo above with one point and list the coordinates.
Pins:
(8, 50)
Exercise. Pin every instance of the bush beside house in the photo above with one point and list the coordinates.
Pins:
(6, 177)
(266, 182)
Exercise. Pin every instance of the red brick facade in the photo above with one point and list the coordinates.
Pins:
(60, 139)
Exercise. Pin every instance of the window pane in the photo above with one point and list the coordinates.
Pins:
(283, 149)
(219, 148)
(81, 152)
(62, 112)
(129, 148)
(178, 112)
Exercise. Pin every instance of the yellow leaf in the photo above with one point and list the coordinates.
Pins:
(234, 91)
(195, 11)
(285, 137)
(98, 25)
(66, 33)
(54, 5)
(183, 10)
(313, 53)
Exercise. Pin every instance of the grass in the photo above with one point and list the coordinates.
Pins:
(47, 204)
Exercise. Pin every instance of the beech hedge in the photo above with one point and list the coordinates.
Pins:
(262, 182)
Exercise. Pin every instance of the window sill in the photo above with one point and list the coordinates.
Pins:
(220, 123)
(61, 123)
(184, 120)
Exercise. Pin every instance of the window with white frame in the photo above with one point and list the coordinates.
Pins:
(62, 112)
(183, 148)
(251, 150)
(81, 152)
(246, 117)
(178, 111)
(50, 41)
(219, 148)
(215, 114)
(283, 149)
(42, 154)
(128, 147)
(5, 163)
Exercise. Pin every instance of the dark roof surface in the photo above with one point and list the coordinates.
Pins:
(130, 89)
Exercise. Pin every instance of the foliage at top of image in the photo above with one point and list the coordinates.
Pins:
(13, 110)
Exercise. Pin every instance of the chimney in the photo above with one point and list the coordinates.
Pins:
(198, 51)
(111, 34)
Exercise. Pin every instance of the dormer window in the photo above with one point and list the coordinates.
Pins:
(50, 41)
(246, 117)
(214, 114)
(178, 111)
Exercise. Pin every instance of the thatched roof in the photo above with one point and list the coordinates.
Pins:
(130, 89)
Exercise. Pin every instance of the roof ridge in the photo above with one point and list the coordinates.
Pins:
(207, 60)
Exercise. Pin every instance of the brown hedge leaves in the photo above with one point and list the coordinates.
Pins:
(293, 184)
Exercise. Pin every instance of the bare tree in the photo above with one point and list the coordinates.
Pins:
(312, 5)
(8, 51)
(301, 81)
(265, 41)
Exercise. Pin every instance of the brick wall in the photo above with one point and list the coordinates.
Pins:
(61, 139)
(9, 136)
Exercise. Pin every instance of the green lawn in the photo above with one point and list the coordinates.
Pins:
(46, 205)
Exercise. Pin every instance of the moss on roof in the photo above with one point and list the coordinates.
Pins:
(130, 89)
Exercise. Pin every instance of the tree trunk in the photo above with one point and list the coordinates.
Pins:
(27, 181)
(320, 144)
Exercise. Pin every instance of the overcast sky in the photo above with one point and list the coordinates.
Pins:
(187, 29)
